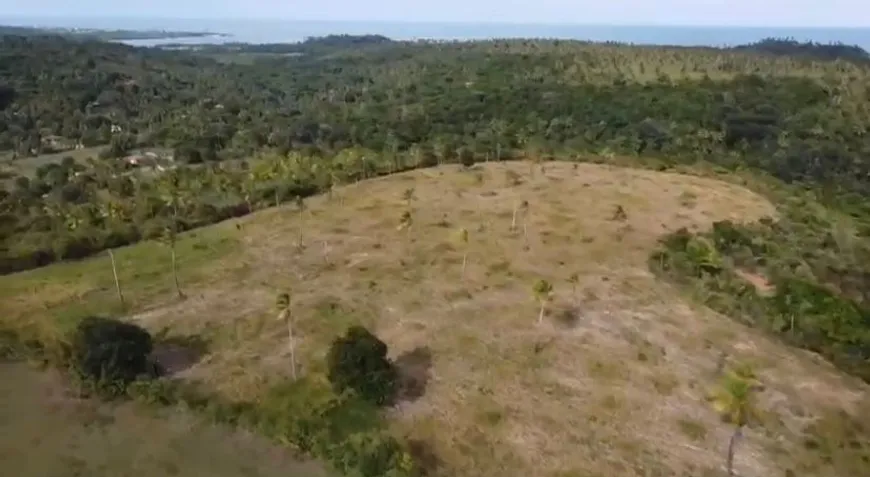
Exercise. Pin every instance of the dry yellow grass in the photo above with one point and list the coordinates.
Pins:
(612, 383)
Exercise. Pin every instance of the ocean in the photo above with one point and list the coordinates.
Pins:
(286, 31)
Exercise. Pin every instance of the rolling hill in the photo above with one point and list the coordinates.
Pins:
(613, 380)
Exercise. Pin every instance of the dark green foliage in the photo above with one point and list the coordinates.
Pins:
(110, 354)
(792, 47)
(806, 305)
(358, 361)
(345, 430)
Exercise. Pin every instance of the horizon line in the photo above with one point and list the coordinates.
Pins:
(429, 22)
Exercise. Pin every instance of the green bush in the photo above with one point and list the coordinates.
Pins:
(110, 354)
(358, 361)
(346, 430)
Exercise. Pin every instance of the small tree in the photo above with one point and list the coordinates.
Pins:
(619, 214)
(110, 354)
(518, 206)
(300, 206)
(462, 238)
(170, 238)
(358, 361)
(282, 304)
(408, 196)
(466, 157)
(406, 221)
(735, 401)
(170, 189)
(574, 280)
(543, 292)
(524, 207)
(115, 275)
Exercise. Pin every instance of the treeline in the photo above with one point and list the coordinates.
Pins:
(808, 49)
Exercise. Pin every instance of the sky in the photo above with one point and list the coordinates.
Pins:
(769, 13)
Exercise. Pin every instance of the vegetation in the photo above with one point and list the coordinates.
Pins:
(386, 106)
(102, 35)
(110, 354)
(735, 401)
(191, 138)
(473, 367)
(358, 361)
(792, 47)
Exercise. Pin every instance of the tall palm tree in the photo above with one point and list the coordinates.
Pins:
(115, 275)
(543, 293)
(283, 305)
(170, 193)
(170, 238)
(735, 400)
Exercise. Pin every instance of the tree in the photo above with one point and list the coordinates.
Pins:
(462, 238)
(408, 196)
(524, 207)
(619, 214)
(358, 361)
(574, 280)
(283, 305)
(109, 353)
(405, 223)
(170, 191)
(734, 399)
(300, 206)
(115, 275)
(543, 293)
(169, 237)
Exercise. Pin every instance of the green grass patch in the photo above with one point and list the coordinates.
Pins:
(67, 291)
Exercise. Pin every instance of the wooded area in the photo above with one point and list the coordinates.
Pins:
(355, 106)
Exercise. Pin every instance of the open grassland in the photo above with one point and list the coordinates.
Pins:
(612, 382)
(49, 432)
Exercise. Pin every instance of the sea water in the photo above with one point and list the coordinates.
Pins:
(288, 31)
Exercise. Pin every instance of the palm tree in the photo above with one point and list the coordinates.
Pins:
(170, 238)
(115, 274)
(300, 205)
(408, 196)
(462, 238)
(734, 399)
(574, 280)
(517, 206)
(543, 292)
(524, 208)
(283, 305)
(498, 129)
(170, 192)
(405, 223)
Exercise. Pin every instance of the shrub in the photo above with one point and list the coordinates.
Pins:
(358, 361)
(109, 354)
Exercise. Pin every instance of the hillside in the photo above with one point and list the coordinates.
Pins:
(612, 382)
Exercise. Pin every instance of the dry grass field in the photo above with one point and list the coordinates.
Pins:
(611, 383)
